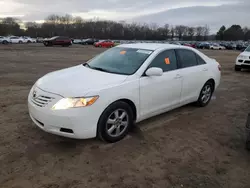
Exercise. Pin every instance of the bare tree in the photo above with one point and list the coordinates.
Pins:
(180, 30)
(191, 32)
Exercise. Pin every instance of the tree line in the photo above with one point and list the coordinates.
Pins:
(76, 27)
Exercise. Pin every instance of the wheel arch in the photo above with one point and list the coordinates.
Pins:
(211, 80)
(129, 102)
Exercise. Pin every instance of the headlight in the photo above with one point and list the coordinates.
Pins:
(66, 103)
(242, 57)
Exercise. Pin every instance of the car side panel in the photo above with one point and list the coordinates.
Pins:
(129, 89)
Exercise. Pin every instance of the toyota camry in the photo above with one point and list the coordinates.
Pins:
(105, 96)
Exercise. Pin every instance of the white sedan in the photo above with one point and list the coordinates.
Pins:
(105, 96)
(243, 60)
(217, 47)
(4, 40)
(17, 40)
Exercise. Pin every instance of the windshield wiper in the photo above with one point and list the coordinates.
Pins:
(98, 68)
(86, 65)
(101, 69)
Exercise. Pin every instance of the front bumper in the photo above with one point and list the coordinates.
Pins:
(243, 63)
(79, 123)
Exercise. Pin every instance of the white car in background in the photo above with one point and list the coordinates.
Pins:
(216, 47)
(243, 60)
(4, 40)
(105, 96)
(29, 40)
(17, 40)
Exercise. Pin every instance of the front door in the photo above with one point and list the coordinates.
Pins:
(161, 93)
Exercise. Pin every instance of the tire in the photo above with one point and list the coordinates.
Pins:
(20, 42)
(5, 42)
(205, 94)
(28, 41)
(100, 46)
(237, 68)
(112, 127)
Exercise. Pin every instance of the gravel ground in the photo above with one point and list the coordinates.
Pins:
(188, 147)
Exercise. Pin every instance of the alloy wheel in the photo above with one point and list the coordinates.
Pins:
(206, 93)
(117, 123)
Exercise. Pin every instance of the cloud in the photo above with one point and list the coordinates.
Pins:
(194, 12)
(214, 16)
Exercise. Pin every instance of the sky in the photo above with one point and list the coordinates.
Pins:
(175, 12)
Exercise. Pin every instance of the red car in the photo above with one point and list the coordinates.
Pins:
(188, 44)
(62, 41)
(105, 44)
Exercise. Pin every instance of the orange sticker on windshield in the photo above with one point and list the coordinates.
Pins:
(122, 52)
(167, 61)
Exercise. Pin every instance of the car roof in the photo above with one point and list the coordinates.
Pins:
(152, 46)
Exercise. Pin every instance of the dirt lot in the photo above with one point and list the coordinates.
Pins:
(188, 147)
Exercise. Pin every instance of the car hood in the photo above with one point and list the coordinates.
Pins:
(78, 81)
(245, 53)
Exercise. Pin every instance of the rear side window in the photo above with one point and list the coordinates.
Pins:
(186, 58)
(166, 60)
(200, 61)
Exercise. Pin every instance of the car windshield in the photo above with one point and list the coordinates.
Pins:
(54, 37)
(247, 49)
(119, 60)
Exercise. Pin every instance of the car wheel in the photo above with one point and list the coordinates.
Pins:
(20, 42)
(5, 42)
(237, 68)
(205, 94)
(28, 41)
(115, 122)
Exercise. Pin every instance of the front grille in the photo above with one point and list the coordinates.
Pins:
(248, 62)
(41, 100)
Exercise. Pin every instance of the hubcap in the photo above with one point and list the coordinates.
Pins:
(117, 123)
(206, 94)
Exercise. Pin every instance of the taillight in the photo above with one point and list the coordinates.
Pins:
(219, 67)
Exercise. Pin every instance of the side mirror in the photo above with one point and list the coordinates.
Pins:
(154, 71)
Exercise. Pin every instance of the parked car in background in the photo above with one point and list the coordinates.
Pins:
(89, 41)
(77, 41)
(203, 45)
(243, 60)
(135, 82)
(28, 40)
(176, 43)
(39, 40)
(4, 40)
(105, 44)
(58, 40)
(216, 47)
(189, 44)
(230, 46)
(17, 40)
(241, 47)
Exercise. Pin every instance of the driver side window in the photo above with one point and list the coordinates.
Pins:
(165, 60)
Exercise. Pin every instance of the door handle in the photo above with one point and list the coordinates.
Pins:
(178, 76)
(205, 69)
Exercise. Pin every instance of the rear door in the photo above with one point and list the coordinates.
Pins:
(195, 74)
(58, 41)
